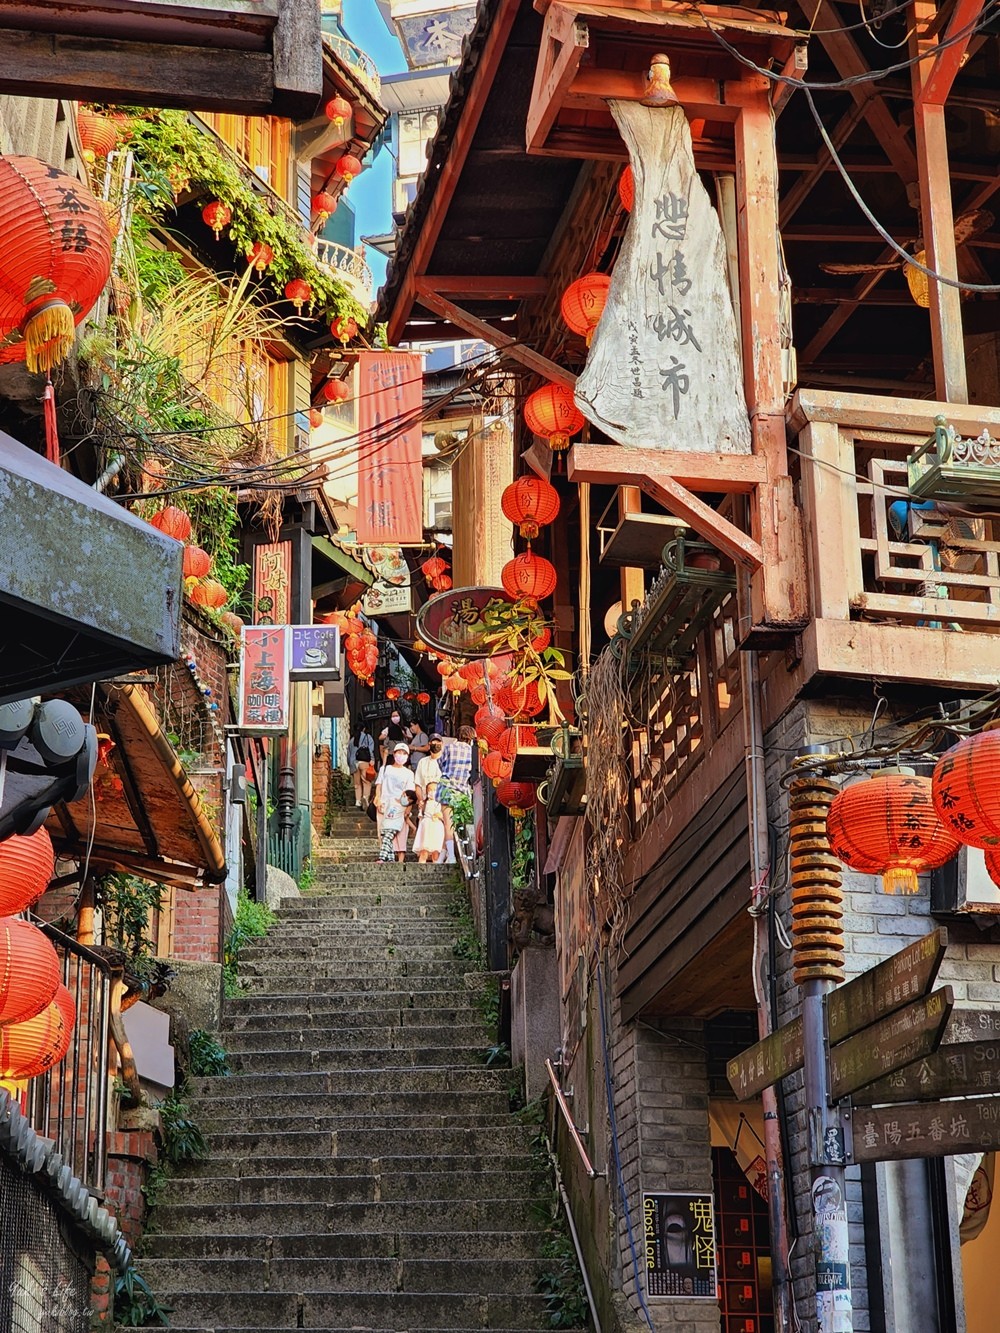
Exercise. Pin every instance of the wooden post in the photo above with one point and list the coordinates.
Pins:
(633, 586)
(85, 912)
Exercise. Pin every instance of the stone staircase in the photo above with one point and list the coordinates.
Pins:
(364, 1169)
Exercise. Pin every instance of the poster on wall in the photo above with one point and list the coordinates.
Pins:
(264, 689)
(679, 1245)
(390, 472)
(315, 652)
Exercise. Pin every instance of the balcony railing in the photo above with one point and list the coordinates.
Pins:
(348, 263)
(359, 60)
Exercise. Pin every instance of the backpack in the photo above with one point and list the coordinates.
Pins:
(363, 754)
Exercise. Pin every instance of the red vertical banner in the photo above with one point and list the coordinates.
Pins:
(264, 694)
(272, 583)
(390, 477)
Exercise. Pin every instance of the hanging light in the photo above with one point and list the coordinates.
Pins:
(347, 167)
(489, 721)
(55, 260)
(518, 797)
(172, 522)
(455, 683)
(197, 562)
(336, 391)
(496, 767)
(315, 417)
(392, 693)
(30, 1048)
(323, 205)
(98, 135)
(626, 189)
(531, 503)
(29, 970)
(966, 786)
(26, 866)
(337, 110)
(434, 567)
(217, 215)
(232, 622)
(887, 826)
(528, 577)
(443, 583)
(423, 698)
(260, 255)
(210, 593)
(552, 413)
(344, 328)
(583, 303)
(519, 698)
(298, 292)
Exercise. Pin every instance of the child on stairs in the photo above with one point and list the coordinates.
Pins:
(430, 830)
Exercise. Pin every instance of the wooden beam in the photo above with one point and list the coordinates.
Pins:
(611, 465)
(705, 520)
(462, 319)
(795, 67)
(844, 296)
(796, 196)
(297, 47)
(836, 321)
(939, 74)
(865, 411)
(564, 40)
(499, 288)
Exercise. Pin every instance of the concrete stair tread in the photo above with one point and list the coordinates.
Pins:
(408, 1245)
(276, 1167)
(329, 1274)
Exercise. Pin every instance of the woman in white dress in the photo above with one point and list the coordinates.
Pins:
(394, 778)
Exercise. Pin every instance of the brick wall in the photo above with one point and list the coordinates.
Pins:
(130, 1155)
(198, 924)
(321, 767)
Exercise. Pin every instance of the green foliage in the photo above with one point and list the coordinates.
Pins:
(182, 1140)
(135, 1304)
(216, 521)
(522, 859)
(560, 1282)
(307, 876)
(207, 1056)
(341, 792)
(126, 902)
(497, 1055)
(489, 1003)
(467, 943)
(252, 922)
(515, 627)
(463, 815)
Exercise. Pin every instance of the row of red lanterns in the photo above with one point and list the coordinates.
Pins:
(197, 563)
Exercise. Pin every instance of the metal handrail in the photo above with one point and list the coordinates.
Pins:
(70, 1103)
(360, 61)
(343, 259)
(574, 1133)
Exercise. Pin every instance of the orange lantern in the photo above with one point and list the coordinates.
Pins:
(419, 646)
(583, 303)
(443, 583)
(498, 667)
(888, 826)
(455, 683)
(423, 698)
(30, 1048)
(173, 522)
(26, 865)
(392, 692)
(552, 413)
(55, 260)
(490, 721)
(217, 215)
(232, 621)
(531, 503)
(210, 593)
(519, 698)
(337, 110)
(496, 767)
(298, 292)
(626, 189)
(528, 577)
(541, 641)
(347, 167)
(315, 417)
(433, 567)
(504, 743)
(197, 562)
(343, 328)
(323, 205)
(29, 970)
(966, 785)
(98, 135)
(518, 797)
(260, 255)
(336, 391)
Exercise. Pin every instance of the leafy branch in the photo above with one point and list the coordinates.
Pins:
(519, 628)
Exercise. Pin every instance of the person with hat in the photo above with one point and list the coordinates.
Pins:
(394, 778)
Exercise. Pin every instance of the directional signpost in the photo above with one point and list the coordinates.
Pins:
(894, 1041)
(886, 987)
(767, 1061)
(932, 1129)
(965, 1069)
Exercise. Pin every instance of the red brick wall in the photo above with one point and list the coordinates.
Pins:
(130, 1155)
(198, 924)
(321, 786)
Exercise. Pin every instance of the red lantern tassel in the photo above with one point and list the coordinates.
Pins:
(51, 428)
(48, 336)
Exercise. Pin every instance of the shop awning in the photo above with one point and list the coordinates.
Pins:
(87, 590)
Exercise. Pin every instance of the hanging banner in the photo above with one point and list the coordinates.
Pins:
(390, 475)
(315, 652)
(272, 583)
(663, 371)
(384, 599)
(264, 688)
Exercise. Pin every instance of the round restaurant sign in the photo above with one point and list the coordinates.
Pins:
(452, 621)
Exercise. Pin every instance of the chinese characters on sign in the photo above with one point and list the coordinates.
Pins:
(664, 367)
(264, 692)
(315, 652)
(272, 583)
(452, 622)
(929, 1129)
(390, 475)
(679, 1245)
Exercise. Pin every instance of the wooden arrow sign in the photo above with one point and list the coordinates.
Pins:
(767, 1061)
(959, 1070)
(894, 1041)
(930, 1129)
(885, 988)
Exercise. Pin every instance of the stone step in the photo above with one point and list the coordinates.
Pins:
(391, 1035)
(255, 1119)
(329, 1275)
(309, 965)
(344, 952)
(386, 1101)
(347, 1245)
(391, 1082)
(286, 1188)
(420, 930)
(269, 1167)
(349, 1062)
(433, 1005)
(419, 987)
(431, 1217)
(423, 1140)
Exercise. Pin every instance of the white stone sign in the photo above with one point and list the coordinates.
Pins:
(664, 368)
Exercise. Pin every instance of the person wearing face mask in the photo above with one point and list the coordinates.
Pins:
(394, 779)
(391, 734)
(428, 769)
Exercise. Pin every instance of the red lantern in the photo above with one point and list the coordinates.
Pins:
(552, 413)
(336, 391)
(518, 797)
(423, 698)
(496, 767)
(337, 110)
(419, 646)
(455, 683)
(217, 215)
(583, 303)
(197, 562)
(173, 522)
(98, 135)
(477, 693)
(26, 865)
(490, 721)
(343, 328)
(888, 826)
(520, 698)
(347, 167)
(504, 743)
(528, 577)
(498, 667)
(30, 1048)
(443, 583)
(433, 568)
(542, 641)
(29, 970)
(231, 621)
(392, 692)
(315, 417)
(966, 786)
(531, 503)
(260, 255)
(626, 189)
(55, 260)
(298, 292)
(210, 593)
(323, 205)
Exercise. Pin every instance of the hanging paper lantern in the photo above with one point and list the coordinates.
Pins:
(552, 413)
(445, 667)
(231, 621)
(489, 721)
(392, 692)
(323, 205)
(347, 167)
(337, 110)
(98, 135)
(26, 865)
(531, 503)
(344, 328)
(499, 666)
(519, 698)
(888, 826)
(210, 593)
(217, 215)
(518, 797)
(298, 292)
(583, 303)
(478, 695)
(455, 683)
(505, 742)
(496, 767)
(197, 562)
(443, 583)
(315, 417)
(29, 970)
(336, 391)
(30, 1048)
(626, 189)
(423, 698)
(434, 567)
(528, 577)
(55, 260)
(966, 786)
(260, 255)
(541, 641)
(419, 646)
(173, 522)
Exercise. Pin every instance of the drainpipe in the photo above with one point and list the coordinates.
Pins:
(753, 735)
